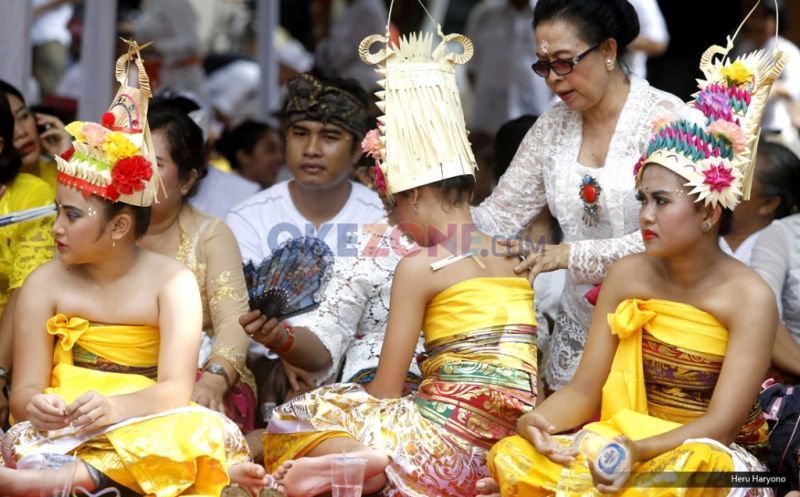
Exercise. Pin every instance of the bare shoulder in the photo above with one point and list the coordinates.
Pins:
(49, 273)
(744, 285)
(631, 273)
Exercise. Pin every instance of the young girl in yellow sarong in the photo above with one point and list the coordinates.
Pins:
(479, 367)
(681, 335)
(107, 336)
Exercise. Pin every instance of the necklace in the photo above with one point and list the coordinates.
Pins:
(589, 194)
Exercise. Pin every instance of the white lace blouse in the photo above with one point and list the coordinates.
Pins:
(351, 320)
(545, 170)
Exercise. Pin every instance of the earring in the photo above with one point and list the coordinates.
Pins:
(705, 226)
(609, 64)
(113, 243)
(414, 206)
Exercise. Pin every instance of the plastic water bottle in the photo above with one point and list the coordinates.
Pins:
(610, 458)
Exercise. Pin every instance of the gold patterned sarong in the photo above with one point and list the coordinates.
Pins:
(184, 451)
(663, 375)
(479, 376)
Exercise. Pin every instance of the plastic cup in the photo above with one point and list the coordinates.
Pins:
(58, 473)
(347, 476)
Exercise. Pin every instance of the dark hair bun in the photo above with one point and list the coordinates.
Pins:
(594, 20)
(627, 25)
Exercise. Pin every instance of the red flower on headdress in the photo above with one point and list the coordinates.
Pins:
(108, 119)
(112, 193)
(67, 154)
(718, 177)
(379, 178)
(130, 174)
(638, 166)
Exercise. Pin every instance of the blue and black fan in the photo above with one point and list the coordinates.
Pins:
(292, 280)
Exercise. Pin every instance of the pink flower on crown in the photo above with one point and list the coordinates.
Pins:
(661, 122)
(378, 178)
(94, 133)
(718, 177)
(729, 132)
(371, 144)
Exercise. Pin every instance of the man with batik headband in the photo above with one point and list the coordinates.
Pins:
(682, 334)
(107, 336)
(326, 120)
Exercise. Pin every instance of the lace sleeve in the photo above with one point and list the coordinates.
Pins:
(589, 260)
(226, 294)
(336, 321)
(34, 239)
(520, 194)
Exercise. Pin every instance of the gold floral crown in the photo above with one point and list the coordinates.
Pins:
(712, 142)
(421, 136)
(115, 159)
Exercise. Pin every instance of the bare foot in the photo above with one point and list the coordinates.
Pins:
(250, 476)
(489, 487)
(311, 476)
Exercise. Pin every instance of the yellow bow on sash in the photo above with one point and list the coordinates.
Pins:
(135, 346)
(677, 324)
(624, 388)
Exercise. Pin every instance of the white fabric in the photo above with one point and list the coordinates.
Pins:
(776, 257)
(173, 28)
(338, 52)
(653, 27)
(545, 170)
(220, 191)
(505, 48)
(744, 252)
(268, 218)
(52, 24)
(776, 114)
(239, 101)
(351, 320)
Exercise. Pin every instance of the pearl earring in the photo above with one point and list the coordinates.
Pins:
(706, 226)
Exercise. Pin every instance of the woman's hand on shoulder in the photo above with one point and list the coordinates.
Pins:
(91, 411)
(537, 258)
(534, 428)
(47, 412)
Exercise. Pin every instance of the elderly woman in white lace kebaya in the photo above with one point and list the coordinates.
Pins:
(577, 160)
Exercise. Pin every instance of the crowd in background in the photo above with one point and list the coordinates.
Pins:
(238, 183)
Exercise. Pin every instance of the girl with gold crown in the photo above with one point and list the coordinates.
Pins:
(107, 336)
(479, 367)
(682, 333)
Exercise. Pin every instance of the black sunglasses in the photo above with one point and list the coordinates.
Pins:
(559, 66)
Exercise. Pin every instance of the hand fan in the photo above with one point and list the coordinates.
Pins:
(291, 281)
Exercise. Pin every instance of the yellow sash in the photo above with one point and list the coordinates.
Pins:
(135, 346)
(676, 324)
